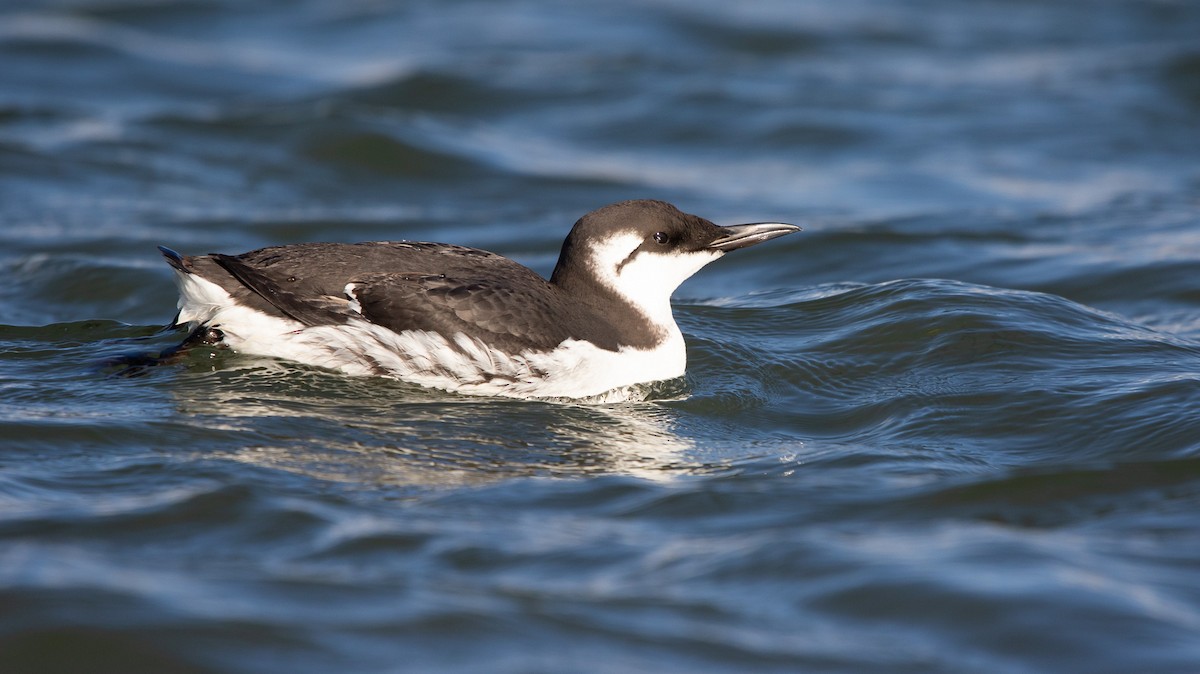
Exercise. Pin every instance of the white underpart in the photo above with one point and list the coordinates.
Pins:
(573, 369)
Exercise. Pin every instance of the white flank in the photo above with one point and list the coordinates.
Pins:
(574, 369)
(202, 302)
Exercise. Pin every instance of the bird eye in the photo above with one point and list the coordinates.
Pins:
(661, 237)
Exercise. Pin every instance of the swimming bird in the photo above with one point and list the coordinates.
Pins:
(467, 320)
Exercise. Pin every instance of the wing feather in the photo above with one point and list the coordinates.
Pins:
(407, 285)
(513, 319)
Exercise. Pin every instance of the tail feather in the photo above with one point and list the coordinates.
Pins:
(175, 260)
(199, 298)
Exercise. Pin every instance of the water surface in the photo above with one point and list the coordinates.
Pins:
(951, 427)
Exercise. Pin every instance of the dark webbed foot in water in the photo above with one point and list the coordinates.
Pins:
(201, 336)
(136, 364)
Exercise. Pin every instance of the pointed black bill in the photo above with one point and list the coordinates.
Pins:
(741, 236)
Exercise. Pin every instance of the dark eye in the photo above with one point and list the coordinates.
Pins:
(662, 237)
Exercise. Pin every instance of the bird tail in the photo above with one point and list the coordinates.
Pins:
(175, 260)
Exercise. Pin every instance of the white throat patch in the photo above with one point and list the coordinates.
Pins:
(648, 278)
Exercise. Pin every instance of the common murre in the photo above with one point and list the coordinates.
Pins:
(467, 320)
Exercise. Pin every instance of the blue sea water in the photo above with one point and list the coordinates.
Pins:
(953, 426)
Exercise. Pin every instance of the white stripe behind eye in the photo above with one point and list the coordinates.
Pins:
(646, 278)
